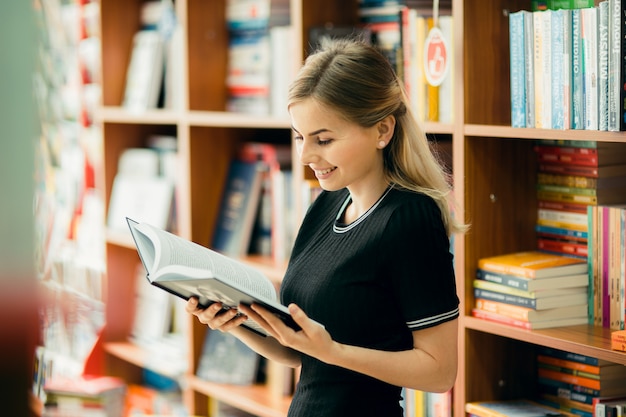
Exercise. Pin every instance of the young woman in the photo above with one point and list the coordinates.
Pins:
(372, 259)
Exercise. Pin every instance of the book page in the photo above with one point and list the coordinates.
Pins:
(178, 251)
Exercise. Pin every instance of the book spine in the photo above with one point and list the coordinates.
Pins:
(569, 169)
(590, 66)
(567, 197)
(518, 90)
(569, 371)
(563, 247)
(569, 387)
(565, 392)
(505, 298)
(614, 65)
(570, 379)
(508, 310)
(567, 180)
(605, 234)
(570, 356)
(622, 74)
(603, 66)
(577, 72)
(565, 233)
(557, 63)
(529, 63)
(501, 319)
(565, 363)
(568, 143)
(578, 221)
(504, 279)
(543, 69)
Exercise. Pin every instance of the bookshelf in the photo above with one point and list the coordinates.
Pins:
(493, 168)
(494, 173)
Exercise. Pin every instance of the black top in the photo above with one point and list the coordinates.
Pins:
(370, 283)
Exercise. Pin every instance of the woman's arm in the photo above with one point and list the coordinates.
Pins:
(228, 321)
(430, 366)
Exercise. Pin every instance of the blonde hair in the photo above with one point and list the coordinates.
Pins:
(356, 80)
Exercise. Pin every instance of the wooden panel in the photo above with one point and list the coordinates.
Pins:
(498, 368)
(120, 21)
(486, 57)
(207, 38)
(500, 202)
(325, 12)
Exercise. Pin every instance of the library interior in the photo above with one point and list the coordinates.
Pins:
(135, 128)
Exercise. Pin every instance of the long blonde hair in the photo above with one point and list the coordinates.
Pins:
(356, 80)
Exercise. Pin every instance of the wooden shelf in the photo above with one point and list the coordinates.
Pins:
(582, 339)
(255, 399)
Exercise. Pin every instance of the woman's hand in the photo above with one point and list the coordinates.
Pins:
(216, 316)
(312, 339)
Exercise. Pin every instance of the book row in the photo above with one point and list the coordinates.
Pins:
(566, 68)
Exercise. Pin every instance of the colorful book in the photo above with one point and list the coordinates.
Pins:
(533, 264)
(613, 386)
(517, 68)
(562, 247)
(605, 154)
(530, 284)
(562, 233)
(579, 366)
(528, 314)
(587, 171)
(571, 356)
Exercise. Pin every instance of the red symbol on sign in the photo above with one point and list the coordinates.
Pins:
(436, 60)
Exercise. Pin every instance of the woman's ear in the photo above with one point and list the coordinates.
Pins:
(386, 128)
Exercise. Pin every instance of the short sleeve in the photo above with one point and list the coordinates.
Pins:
(420, 262)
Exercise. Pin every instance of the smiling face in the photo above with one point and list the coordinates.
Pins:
(341, 153)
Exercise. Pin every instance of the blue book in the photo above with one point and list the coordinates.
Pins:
(578, 121)
(571, 356)
(517, 69)
(238, 209)
(559, 231)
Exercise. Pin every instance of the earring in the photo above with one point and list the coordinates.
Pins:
(382, 144)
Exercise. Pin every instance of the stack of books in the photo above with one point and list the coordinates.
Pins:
(573, 175)
(579, 384)
(532, 290)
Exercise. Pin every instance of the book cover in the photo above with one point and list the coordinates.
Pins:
(530, 284)
(238, 209)
(533, 264)
(563, 247)
(227, 360)
(145, 71)
(578, 366)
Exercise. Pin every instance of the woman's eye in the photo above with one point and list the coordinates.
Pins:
(323, 142)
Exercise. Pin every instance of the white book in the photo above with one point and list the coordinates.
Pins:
(603, 65)
(187, 269)
(446, 88)
(542, 23)
(589, 35)
(144, 76)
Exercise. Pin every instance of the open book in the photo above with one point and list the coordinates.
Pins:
(187, 269)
